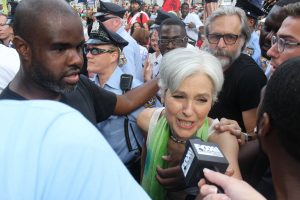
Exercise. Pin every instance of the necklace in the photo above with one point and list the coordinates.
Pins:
(176, 140)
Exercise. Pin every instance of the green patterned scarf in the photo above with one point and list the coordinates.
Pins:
(157, 148)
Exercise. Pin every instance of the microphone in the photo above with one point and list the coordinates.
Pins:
(199, 155)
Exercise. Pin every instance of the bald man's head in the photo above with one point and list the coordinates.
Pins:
(33, 15)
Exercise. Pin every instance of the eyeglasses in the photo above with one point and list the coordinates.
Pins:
(175, 41)
(282, 43)
(96, 51)
(229, 39)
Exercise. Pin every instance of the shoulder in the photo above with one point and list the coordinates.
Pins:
(246, 66)
(144, 117)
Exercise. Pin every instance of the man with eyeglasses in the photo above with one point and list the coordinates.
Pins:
(227, 33)
(286, 43)
(172, 35)
(103, 51)
(6, 30)
(110, 15)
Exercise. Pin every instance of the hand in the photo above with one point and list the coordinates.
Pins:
(231, 126)
(148, 70)
(171, 178)
(233, 188)
(191, 25)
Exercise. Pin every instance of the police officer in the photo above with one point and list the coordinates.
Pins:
(253, 10)
(110, 15)
(103, 53)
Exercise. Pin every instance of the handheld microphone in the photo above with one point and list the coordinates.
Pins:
(199, 155)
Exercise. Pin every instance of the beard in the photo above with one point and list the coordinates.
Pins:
(47, 80)
(226, 58)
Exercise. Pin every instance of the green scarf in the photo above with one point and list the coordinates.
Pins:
(158, 148)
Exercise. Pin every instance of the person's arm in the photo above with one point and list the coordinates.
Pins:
(249, 119)
(143, 121)
(230, 147)
(135, 98)
(234, 189)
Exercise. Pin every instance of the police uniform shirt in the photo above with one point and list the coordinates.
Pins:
(253, 48)
(133, 64)
(113, 128)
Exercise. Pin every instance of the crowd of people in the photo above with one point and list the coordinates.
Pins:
(99, 103)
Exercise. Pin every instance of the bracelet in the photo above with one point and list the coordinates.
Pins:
(249, 137)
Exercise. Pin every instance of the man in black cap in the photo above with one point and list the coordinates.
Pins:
(253, 11)
(110, 15)
(122, 133)
(51, 62)
(137, 15)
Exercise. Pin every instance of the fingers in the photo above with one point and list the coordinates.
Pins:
(170, 178)
(229, 125)
(216, 177)
(216, 197)
(208, 189)
(169, 172)
(229, 171)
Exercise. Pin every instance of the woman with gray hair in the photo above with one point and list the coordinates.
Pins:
(190, 80)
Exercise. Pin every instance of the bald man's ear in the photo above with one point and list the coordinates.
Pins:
(264, 125)
(22, 48)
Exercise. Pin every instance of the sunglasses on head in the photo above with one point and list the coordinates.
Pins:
(96, 51)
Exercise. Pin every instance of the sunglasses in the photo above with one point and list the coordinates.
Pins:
(96, 51)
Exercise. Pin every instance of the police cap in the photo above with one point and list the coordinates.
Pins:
(109, 8)
(162, 15)
(100, 35)
(251, 8)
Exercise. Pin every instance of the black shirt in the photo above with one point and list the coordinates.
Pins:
(95, 103)
(243, 81)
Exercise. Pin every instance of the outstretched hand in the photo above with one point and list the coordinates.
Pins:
(234, 189)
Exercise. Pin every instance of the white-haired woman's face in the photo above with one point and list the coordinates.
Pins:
(187, 107)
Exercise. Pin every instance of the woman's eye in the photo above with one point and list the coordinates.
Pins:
(202, 100)
(177, 96)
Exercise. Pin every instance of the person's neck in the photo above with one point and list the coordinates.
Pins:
(105, 75)
(285, 174)
(28, 89)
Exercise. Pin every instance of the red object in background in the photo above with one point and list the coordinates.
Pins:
(199, 43)
(171, 5)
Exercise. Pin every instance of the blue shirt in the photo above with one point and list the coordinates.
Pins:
(113, 127)
(133, 63)
(253, 48)
(50, 151)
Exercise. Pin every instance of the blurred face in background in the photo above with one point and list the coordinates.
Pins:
(154, 41)
(271, 26)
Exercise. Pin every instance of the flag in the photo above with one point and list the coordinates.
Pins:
(171, 5)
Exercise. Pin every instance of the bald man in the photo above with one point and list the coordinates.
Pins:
(51, 61)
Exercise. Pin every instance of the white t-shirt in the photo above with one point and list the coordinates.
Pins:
(50, 151)
(9, 65)
(192, 32)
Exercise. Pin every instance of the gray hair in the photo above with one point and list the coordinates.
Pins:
(180, 63)
(230, 11)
